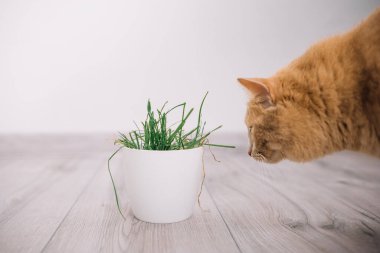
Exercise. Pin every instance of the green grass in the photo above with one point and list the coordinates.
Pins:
(155, 134)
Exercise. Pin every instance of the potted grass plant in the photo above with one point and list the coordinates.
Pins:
(164, 167)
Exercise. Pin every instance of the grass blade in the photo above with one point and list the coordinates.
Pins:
(113, 182)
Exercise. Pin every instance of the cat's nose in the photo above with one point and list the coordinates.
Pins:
(249, 152)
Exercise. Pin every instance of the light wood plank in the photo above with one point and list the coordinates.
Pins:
(328, 213)
(293, 196)
(252, 209)
(55, 195)
(34, 210)
(25, 179)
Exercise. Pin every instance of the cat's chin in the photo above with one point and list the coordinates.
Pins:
(266, 160)
(270, 161)
(274, 158)
(273, 161)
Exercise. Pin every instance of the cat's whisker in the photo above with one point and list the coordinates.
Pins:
(259, 157)
(263, 158)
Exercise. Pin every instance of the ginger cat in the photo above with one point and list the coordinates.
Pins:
(325, 101)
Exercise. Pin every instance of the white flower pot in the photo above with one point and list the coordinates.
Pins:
(162, 186)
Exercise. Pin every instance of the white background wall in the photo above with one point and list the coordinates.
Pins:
(90, 65)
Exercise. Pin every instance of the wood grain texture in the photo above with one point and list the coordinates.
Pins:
(328, 205)
(33, 211)
(56, 196)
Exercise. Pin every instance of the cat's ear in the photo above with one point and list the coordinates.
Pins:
(259, 88)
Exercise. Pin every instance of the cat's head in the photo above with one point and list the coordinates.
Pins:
(279, 126)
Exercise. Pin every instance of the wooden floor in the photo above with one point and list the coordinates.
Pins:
(56, 196)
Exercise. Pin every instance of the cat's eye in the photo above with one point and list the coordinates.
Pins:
(250, 129)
